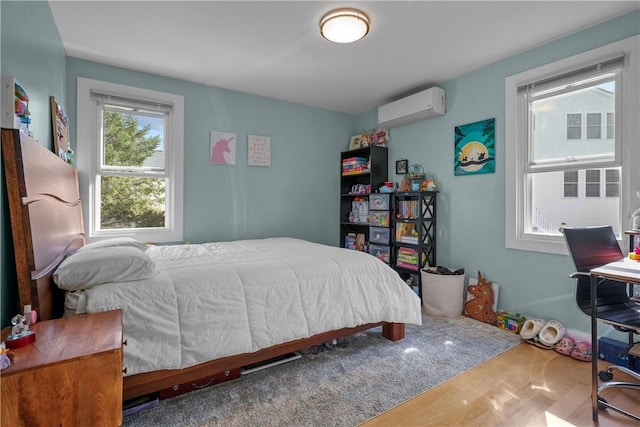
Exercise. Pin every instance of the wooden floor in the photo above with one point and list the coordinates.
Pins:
(525, 386)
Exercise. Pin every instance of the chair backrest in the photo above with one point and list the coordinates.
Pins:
(592, 247)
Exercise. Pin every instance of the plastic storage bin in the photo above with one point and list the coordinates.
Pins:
(442, 294)
(379, 235)
(379, 218)
(380, 252)
(379, 202)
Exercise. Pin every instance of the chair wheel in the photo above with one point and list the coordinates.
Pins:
(600, 403)
(605, 376)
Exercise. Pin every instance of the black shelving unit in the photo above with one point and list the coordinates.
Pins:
(415, 235)
(357, 186)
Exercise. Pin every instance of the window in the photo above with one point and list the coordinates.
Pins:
(611, 125)
(570, 184)
(612, 183)
(592, 187)
(566, 164)
(591, 183)
(130, 154)
(574, 126)
(594, 125)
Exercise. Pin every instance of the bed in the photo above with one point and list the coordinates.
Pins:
(198, 309)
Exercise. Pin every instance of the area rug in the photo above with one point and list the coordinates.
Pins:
(340, 385)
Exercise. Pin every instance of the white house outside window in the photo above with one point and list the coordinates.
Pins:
(572, 149)
(130, 161)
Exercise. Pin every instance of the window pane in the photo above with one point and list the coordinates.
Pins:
(570, 184)
(593, 175)
(594, 125)
(570, 190)
(133, 139)
(592, 183)
(549, 209)
(558, 119)
(574, 126)
(132, 202)
(611, 125)
(612, 186)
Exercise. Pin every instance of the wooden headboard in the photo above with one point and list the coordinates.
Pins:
(46, 218)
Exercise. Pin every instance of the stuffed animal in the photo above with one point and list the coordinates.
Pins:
(481, 307)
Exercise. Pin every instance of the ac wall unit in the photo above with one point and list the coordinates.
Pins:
(419, 106)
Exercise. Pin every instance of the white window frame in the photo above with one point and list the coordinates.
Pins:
(88, 151)
(627, 129)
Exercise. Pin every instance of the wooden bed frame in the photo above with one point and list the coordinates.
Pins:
(47, 225)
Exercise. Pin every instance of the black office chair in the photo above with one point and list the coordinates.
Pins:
(592, 247)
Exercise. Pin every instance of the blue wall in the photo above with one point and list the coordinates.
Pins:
(294, 197)
(297, 196)
(471, 209)
(32, 52)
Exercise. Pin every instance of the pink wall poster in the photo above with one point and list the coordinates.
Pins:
(223, 148)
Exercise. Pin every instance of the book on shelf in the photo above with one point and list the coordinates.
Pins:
(407, 266)
(409, 239)
(408, 209)
(406, 233)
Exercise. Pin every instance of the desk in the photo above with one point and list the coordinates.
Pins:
(625, 270)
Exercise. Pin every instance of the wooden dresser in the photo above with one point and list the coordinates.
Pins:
(70, 376)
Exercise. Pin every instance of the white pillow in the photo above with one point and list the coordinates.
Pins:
(86, 269)
(116, 241)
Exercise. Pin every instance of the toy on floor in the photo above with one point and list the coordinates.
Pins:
(509, 321)
(481, 307)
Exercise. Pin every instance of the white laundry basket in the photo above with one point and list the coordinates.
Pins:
(442, 294)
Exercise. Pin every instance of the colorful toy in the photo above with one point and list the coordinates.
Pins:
(480, 307)
(5, 362)
(509, 321)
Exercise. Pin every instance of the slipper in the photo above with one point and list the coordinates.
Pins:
(530, 328)
(535, 341)
(582, 351)
(565, 345)
(551, 333)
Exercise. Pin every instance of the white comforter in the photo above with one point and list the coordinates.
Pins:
(218, 299)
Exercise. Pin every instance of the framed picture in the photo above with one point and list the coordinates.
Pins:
(402, 166)
(60, 127)
(223, 148)
(354, 143)
(475, 148)
(259, 150)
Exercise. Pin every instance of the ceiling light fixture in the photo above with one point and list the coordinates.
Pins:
(344, 25)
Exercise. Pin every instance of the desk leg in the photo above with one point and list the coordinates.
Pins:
(594, 348)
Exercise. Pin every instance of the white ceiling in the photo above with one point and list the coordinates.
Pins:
(274, 49)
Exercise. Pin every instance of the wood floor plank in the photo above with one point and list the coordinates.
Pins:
(524, 386)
